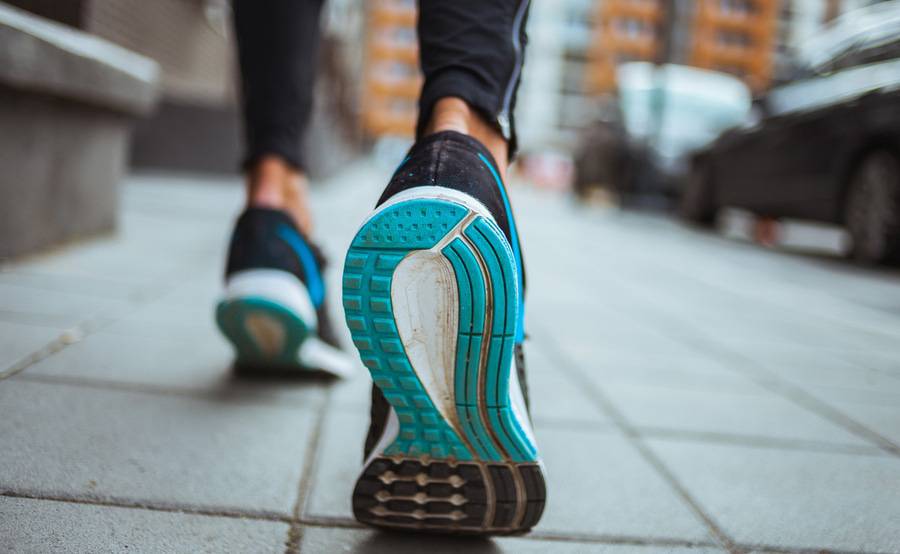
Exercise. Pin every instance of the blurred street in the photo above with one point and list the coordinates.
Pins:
(691, 393)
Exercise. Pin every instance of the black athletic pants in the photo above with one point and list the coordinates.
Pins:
(470, 49)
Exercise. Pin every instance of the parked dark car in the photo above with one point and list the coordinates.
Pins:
(668, 111)
(825, 147)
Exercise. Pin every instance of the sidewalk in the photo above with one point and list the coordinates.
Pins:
(690, 394)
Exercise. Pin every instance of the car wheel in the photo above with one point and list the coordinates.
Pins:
(697, 203)
(873, 209)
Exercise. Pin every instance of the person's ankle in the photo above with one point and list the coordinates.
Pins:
(273, 183)
(454, 114)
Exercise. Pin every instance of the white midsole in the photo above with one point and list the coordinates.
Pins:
(433, 192)
(281, 287)
(314, 352)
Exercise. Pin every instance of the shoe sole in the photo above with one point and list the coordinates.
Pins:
(469, 464)
(261, 317)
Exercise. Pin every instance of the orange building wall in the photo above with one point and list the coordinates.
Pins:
(740, 41)
(392, 74)
(626, 30)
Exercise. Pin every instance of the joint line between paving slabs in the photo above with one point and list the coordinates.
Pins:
(141, 388)
(762, 376)
(771, 382)
(606, 406)
(80, 331)
(145, 295)
(310, 461)
(174, 507)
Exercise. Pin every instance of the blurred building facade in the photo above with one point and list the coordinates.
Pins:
(568, 78)
(737, 37)
(392, 71)
(623, 31)
(755, 40)
(575, 46)
(197, 125)
(746, 38)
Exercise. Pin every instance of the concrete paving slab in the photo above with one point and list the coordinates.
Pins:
(882, 418)
(573, 327)
(366, 541)
(18, 341)
(691, 373)
(850, 395)
(43, 527)
(354, 394)
(553, 395)
(792, 499)
(826, 367)
(52, 308)
(203, 368)
(112, 258)
(167, 320)
(726, 413)
(338, 465)
(151, 416)
(199, 292)
(599, 485)
(885, 361)
(78, 442)
(19, 275)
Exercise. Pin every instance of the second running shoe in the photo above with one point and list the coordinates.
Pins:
(274, 307)
(433, 293)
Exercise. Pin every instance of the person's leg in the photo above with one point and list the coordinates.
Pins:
(273, 310)
(277, 43)
(472, 53)
(433, 296)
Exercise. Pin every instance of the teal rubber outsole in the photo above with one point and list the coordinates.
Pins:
(485, 272)
(232, 319)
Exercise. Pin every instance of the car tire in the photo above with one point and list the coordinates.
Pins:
(697, 203)
(872, 209)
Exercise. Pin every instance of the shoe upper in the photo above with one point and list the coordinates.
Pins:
(455, 161)
(459, 162)
(266, 238)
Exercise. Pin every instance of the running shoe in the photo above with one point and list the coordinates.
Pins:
(274, 307)
(433, 296)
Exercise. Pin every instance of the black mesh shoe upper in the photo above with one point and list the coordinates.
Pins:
(455, 161)
(378, 414)
(262, 239)
(266, 238)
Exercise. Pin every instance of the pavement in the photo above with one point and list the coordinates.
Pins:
(691, 393)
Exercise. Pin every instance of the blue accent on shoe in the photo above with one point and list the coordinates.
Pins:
(400, 166)
(314, 283)
(520, 324)
(487, 428)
